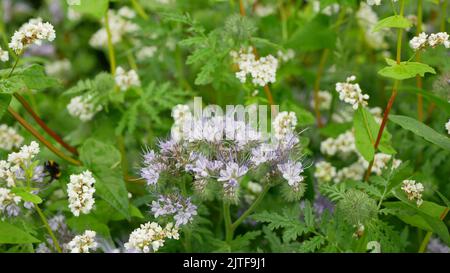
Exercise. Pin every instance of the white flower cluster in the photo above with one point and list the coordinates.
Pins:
(9, 202)
(59, 68)
(263, 71)
(125, 80)
(447, 126)
(380, 161)
(264, 10)
(150, 237)
(367, 19)
(120, 26)
(291, 171)
(327, 10)
(83, 243)
(434, 39)
(181, 116)
(284, 124)
(83, 108)
(32, 32)
(351, 93)
(343, 144)
(146, 52)
(9, 138)
(80, 191)
(25, 155)
(325, 172)
(413, 190)
(287, 55)
(4, 55)
(324, 98)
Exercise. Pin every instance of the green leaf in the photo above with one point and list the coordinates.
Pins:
(421, 130)
(314, 35)
(312, 244)
(335, 129)
(5, 100)
(10, 234)
(405, 70)
(88, 222)
(396, 21)
(95, 8)
(308, 213)
(364, 137)
(104, 161)
(428, 95)
(27, 196)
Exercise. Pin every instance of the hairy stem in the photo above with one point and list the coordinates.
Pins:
(250, 209)
(323, 60)
(36, 134)
(49, 230)
(227, 219)
(112, 55)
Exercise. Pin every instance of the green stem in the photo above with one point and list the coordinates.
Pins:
(227, 219)
(444, 16)
(49, 230)
(250, 209)
(138, 8)
(14, 66)
(112, 55)
(123, 154)
(284, 28)
(418, 59)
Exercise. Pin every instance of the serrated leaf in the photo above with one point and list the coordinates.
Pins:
(10, 234)
(422, 130)
(406, 70)
(312, 244)
(395, 21)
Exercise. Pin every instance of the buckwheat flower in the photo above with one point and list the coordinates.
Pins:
(254, 187)
(9, 138)
(80, 191)
(354, 172)
(264, 10)
(413, 190)
(9, 203)
(351, 93)
(373, 2)
(324, 98)
(284, 124)
(83, 243)
(32, 32)
(59, 69)
(146, 52)
(125, 80)
(291, 171)
(4, 55)
(377, 113)
(419, 42)
(380, 161)
(440, 38)
(126, 12)
(342, 145)
(447, 126)
(83, 108)
(325, 172)
(25, 155)
(73, 15)
(367, 20)
(286, 56)
(150, 237)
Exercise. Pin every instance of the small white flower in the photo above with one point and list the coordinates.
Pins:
(413, 190)
(59, 68)
(150, 237)
(351, 93)
(125, 80)
(25, 155)
(324, 98)
(447, 126)
(440, 38)
(286, 56)
(4, 55)
(80, 191)
(83, 243)
(325, 172)
(284, 124)
(342, 145)
(126, 12)
(33, 32)
(9, 138)
(9, 202)
(146, 52)
(83, 108)
(373, 2)
(254, 187)
(419, 42)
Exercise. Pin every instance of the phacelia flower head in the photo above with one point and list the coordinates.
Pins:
(181, 208)
(4, 55)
